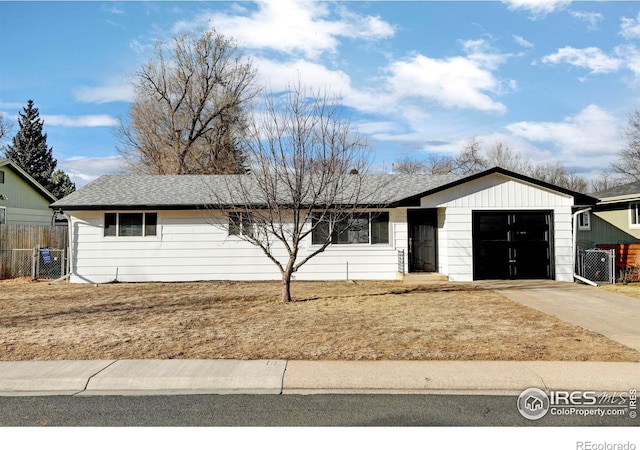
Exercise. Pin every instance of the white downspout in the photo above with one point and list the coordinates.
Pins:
(70, 255)
(575, 246)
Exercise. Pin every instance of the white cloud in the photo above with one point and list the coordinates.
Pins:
(114, 92)
(459, 82)
(292, 26)
(82, 170)
(591, 58)
(278, 75)
(113, 9)
(522, 41)
(630, 28)
(592, 18)
(592, 132)
(631, 56)
(12, 105)
(141, 48)
(98, 120)
(537, 7)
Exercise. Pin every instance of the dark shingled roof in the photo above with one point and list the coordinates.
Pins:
(629, 189)
(184, 191)
(193, 191)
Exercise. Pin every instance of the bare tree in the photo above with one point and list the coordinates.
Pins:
(409, 166)
(306, 179)
(628, 166)
(431, 165)
(470, 160)
(190, 108)
(502, 156)
(467, 162)
(5, 127)
(556, 173)
(605, 181)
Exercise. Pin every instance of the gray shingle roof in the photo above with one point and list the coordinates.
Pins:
(184, 191)
(629, 189)
(193, 191)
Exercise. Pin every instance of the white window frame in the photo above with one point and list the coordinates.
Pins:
(584, 221)
(634, 215)
(131, 238)
(3, 217)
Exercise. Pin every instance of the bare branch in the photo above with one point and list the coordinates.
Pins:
(301, 150)
(190, 109)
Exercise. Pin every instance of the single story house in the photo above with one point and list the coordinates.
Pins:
(492, 225)
(23, 201)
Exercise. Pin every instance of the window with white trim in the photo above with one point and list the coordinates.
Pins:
(634, 215)
(3, 215)
(1, 177)
(360, 228)
(127, 224)
(584, 221)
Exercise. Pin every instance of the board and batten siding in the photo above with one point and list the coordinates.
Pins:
(188, 247)
(494, 193)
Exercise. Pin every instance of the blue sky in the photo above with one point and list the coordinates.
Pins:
(554, 80)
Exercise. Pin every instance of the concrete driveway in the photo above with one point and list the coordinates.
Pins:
(612, 315)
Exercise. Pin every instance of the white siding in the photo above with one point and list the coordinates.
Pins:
(495, 192)
(188, 247)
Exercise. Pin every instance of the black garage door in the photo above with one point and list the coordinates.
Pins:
(512, 245)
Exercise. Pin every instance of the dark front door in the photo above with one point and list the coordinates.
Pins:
(422, 240)
(512, 245)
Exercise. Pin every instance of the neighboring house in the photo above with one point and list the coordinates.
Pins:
(492, 225)
(23, 200)
(614, 220)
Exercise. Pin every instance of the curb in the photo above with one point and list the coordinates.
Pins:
(182, 377)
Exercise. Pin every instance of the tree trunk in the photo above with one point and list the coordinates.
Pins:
(286, 285)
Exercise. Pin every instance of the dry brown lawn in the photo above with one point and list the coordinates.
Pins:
(329, 320)
(630, 290)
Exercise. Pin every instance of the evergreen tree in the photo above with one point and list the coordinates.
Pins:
(30, 151)
(61, 185)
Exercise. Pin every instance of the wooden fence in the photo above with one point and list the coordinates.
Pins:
(31, 236)
(627, 255)
(25, 237)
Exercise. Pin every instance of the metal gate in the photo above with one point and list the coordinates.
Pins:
(49, 263)
(36, 263)
(597, 265)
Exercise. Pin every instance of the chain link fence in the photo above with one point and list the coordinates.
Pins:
(50, 263)
(36, 263)
(597, 265)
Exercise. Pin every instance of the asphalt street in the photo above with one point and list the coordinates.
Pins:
(281, 410)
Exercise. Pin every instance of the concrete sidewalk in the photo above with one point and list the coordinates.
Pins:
(612, 315)
(169, 377)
